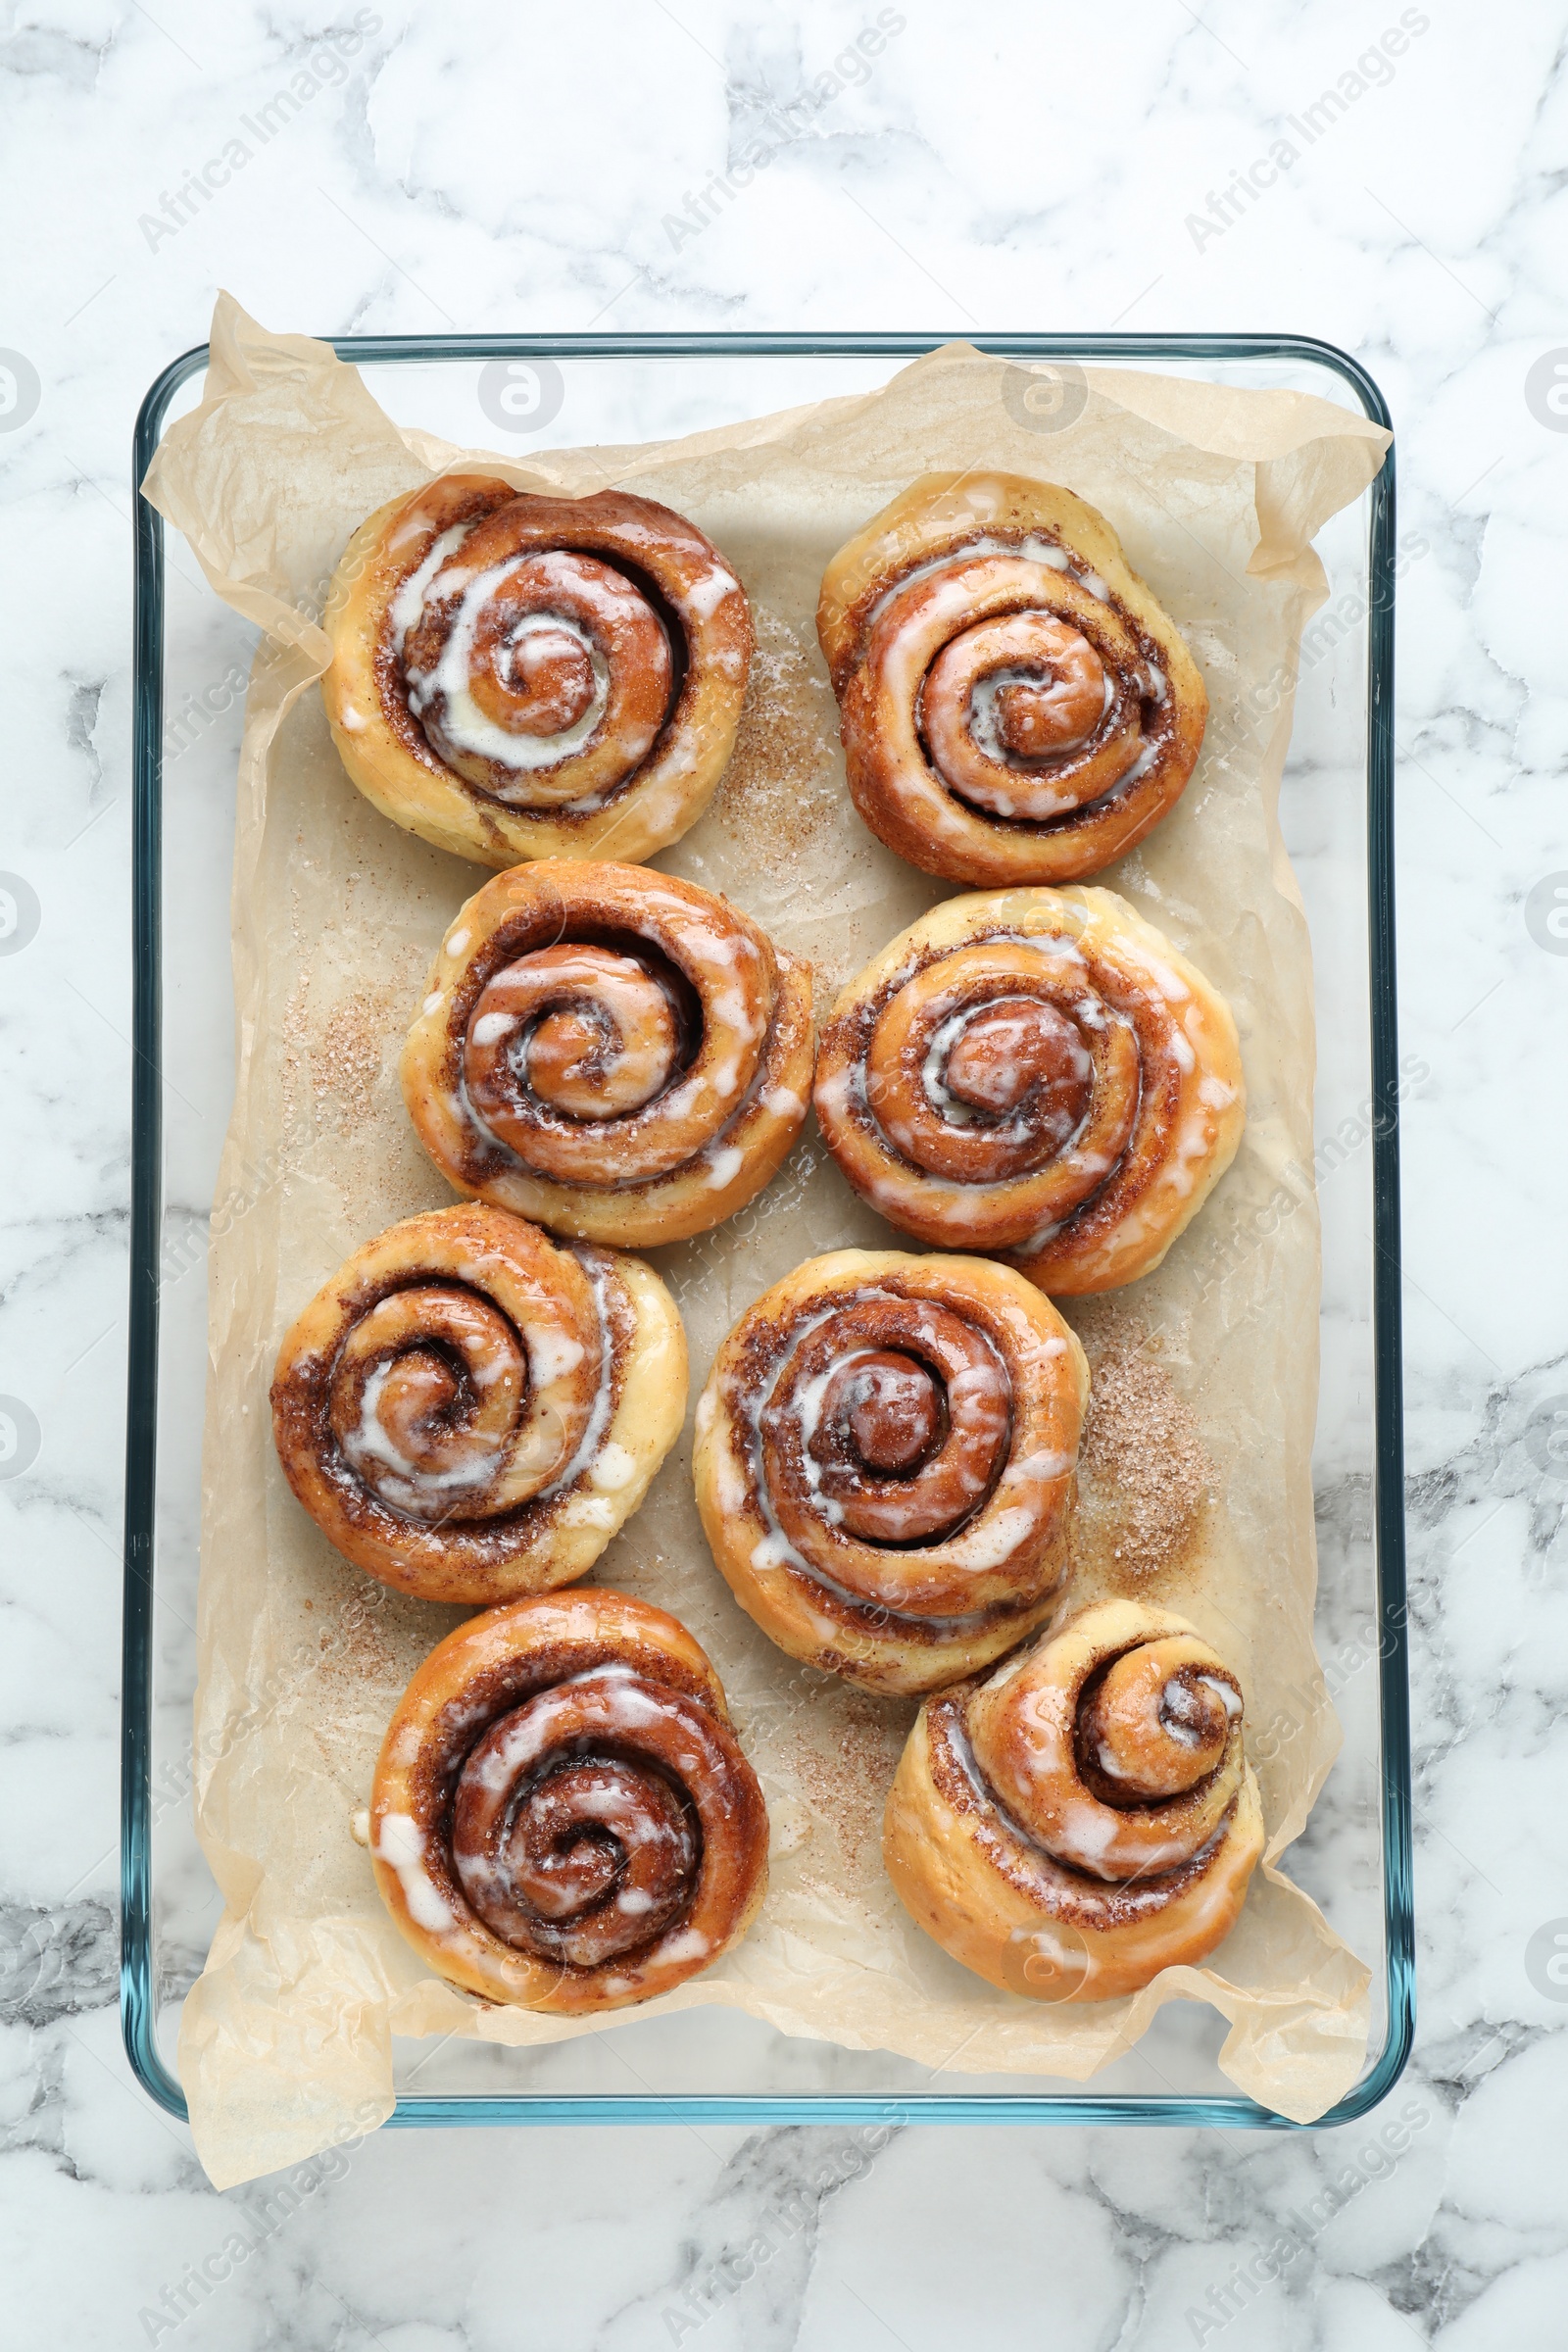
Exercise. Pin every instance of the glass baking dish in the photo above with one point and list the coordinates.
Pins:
(192, 659)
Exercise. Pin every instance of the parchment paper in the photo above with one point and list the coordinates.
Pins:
(1196, 1482)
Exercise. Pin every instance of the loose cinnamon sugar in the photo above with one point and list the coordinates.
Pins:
(346, 1056)
(355, 1646)
(1145, 1476)
(843, 1774)
(372, 1637)
(780, 788)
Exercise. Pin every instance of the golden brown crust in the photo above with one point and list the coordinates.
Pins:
(1086, 1817)
(1015, 704)
(562, 1816)
(470, 1413)
(1037, 1073)
(617, 1054)
(566, 682)
(885, 1463)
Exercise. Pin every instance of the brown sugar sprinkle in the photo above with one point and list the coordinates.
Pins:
(779, 787)
(1144, 1477)
(844, 1772)
(346, 1057)
(372, 1642)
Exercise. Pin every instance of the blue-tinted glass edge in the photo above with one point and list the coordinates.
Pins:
(138, 2015)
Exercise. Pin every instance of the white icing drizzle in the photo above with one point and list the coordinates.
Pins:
(612, 1469)
(401, 1847)
(409, 601)
(599, 1278)
(775, 1551)
(1079, 1821)
(987, 736)
(462, 720)
(711, 1153)
(847, 1089)
(993, 1540)
(1032, 549)
(551, 1355)
(705, 595)
(955, 1113)
(368, 1442)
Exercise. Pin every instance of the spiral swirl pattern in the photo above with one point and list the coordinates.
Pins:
(1038, 1073)
(516, 677)
(620, 1055)
(1015, 705)
(562, 1816)
(1085, 1817)
(885, 1463)
(470, 1413)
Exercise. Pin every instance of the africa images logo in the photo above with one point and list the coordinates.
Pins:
(1547, 913)
(1546, 1959)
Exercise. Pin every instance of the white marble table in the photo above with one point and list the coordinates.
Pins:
(515, 168)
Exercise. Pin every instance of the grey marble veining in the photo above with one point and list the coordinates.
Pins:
(532, 168)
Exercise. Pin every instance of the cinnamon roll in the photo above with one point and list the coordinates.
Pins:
(1037, 1073)
(885, 1463)
(1085, 1817)
(470, 1413)
(1015, 707)
(562, 1816)
(515, 676)
(620, 1055)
